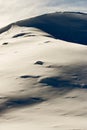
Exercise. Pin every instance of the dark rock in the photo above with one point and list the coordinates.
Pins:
(39, 63)
(28, 76)
(5, 43)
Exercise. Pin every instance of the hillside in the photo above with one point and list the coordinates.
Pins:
(43, 80)
(67, 26)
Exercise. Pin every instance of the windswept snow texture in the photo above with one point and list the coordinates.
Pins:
(43, 80)
(68, 26)
(43, 65)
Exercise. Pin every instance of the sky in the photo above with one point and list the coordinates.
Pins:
(14, 10)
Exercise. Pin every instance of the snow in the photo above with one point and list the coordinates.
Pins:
(73, 29)
(48, 96)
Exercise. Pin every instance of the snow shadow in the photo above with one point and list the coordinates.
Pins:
(17, 102)
(67, 26)
(58, 82)
(19, 35)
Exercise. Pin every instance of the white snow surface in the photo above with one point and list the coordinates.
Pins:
(43, 82)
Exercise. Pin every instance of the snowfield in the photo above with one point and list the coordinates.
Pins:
(43, 80)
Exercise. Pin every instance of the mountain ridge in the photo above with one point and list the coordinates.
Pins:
(67, 26)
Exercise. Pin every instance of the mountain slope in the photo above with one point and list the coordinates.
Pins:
(68, 26)
(42, 81)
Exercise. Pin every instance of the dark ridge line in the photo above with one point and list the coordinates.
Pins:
(67, 26)
(7, 27)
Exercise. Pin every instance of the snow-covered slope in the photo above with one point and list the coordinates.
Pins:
(68, 26)
(43, 81)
